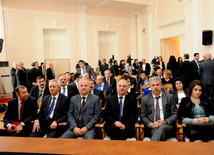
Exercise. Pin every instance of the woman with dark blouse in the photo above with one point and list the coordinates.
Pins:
(180, 60)
(197, 112)
(179, 91)
(167, 77)
(160, 64)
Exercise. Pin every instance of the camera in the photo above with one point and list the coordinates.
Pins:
(129, 60)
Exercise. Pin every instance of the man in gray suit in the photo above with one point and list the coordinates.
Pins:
(158, 112)
(206, 70)
(85, 69)
(83, 114)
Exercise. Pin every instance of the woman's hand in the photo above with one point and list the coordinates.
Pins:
(201, 120)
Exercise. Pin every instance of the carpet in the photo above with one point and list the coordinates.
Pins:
(4, 100)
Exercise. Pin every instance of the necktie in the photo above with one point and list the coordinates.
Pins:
(51, 109)
(157, 116)
(99, 87)
(121, 108)
(63, 91)
(40, 94)
(107, 82)
(52, 72)
(21, 110)
(81, 114)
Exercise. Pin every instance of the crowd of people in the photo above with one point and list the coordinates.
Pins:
(77, 100)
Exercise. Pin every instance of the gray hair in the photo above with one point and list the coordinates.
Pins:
(107, 71)
(123, 80)
(54, 80)
(84, 80)
(154, 78)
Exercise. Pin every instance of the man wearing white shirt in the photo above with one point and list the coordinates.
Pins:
(197, 65)
(121, 113)
(158, 112)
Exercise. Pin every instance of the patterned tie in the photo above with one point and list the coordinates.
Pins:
(81, 114)
(63, 92)
(121, 108)
(51, 109)
(107, 82)
(21, 110)
(99, 87)
(40, 94)
(157, 116)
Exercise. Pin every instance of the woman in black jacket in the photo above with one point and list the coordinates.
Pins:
(197, 112)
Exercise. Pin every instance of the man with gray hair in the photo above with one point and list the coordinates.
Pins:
(53, 111)
(13, 76)
(21, 74)
(121, 113)
(206, 70)
(84, 113)
(158, 112)
(109, 80)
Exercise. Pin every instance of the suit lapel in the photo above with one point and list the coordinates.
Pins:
(16, 108)
(151, 100)
(79, 102)
(48, 104)
(164, 103)
(57, 103)
(87, 101)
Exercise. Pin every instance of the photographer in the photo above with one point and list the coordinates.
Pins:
(103, 67)
(129, 66)
(136, 67)
(115, 69)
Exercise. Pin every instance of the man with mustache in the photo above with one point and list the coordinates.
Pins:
(158, 112)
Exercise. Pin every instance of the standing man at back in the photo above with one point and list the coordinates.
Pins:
(186, 70)
(50, 72)
(85, 69)
(197, 64)
(21, 75)
(207, 75)
(13, 76)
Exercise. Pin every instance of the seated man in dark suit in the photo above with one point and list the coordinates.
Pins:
(121, 113)
(53, 111)
(68, 75)
(109, 80)
(143, 80)
(96, 92)
(102, 86)
(83, 114)
(158, 112)
(75, 84)
(22, 108)
(41, 89)
(67, 90)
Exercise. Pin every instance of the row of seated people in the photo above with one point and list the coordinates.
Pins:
(158, 112)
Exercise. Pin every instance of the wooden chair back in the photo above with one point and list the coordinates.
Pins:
(142, 87)
(39, 104)
(167, 87)
(104, 94)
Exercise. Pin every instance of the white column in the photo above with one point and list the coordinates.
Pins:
(150, 33)
(195, 27)
(3, 56)
(139, 36)
(188, 28)
(133, 34)
(83, 33)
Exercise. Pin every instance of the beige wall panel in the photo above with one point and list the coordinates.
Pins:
(21, 33)
(126, 40)
(145, 41)
(41, 6)
(169, 10)
(76, 42)
(91, 43)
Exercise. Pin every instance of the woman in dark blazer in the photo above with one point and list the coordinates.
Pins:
(160, 64)
(179, 91)
(197, 112)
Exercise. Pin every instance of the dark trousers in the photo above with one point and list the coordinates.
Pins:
(14, 93)
(116, 134)
(210, 91)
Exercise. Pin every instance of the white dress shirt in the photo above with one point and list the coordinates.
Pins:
(160, 105)
(51, 116)
(66, 90)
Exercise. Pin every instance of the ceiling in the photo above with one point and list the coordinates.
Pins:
(131, 5)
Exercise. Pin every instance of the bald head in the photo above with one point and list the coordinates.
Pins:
(208, 56)
(15, 65)
(99, 80)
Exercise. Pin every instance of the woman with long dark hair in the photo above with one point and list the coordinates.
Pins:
(172, 65)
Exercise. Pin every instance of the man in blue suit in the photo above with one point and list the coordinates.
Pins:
(102, 86)
(143, 80)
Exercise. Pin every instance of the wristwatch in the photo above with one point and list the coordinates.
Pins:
(22, 124)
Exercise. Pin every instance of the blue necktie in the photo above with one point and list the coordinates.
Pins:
(99, 87)
(121, 108)
(51, 109)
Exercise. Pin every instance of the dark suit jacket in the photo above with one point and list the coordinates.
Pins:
(35, 91)
(207, 72)
(139, 81)
(169, 109)
(40, 68)
(88, 70)
(157, 67)
(186, 70)
(100, 94)
(29, 111)
(196, 70)
(175, 94)
(107, 88)
(33, 73)
(13, 75)
(136, 66)
(91, 113)
(71, 91)
(21, 77)
(49, 74)
(112, 82)
(148, 67)
(74, 86)
(60, 111)
(112, 112)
